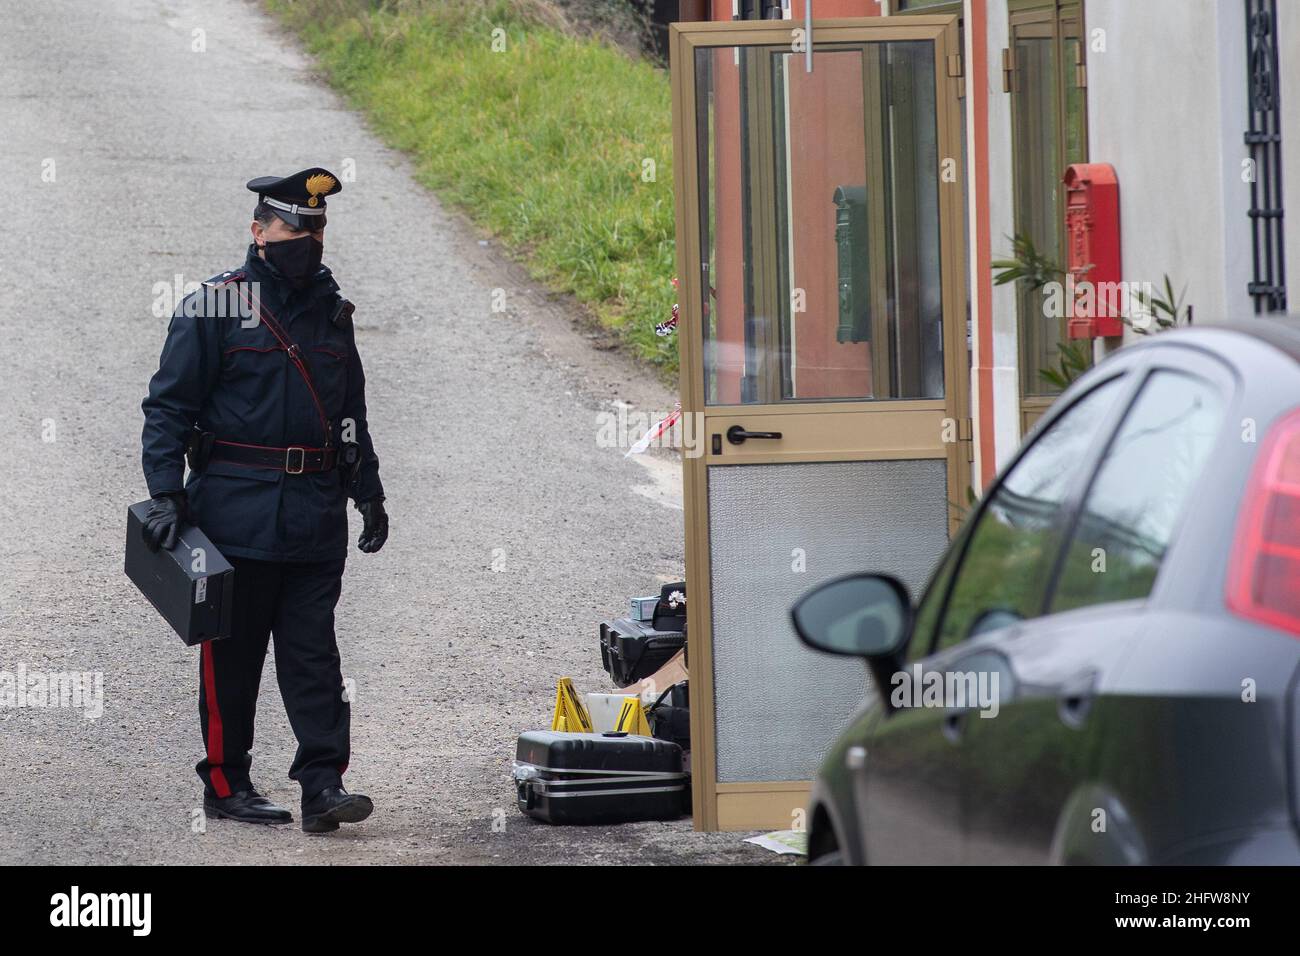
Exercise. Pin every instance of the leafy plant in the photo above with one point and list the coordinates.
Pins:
(1035, 270)
(1163, 312)
(1071, 362)
(1027, 265)
(1159, 312)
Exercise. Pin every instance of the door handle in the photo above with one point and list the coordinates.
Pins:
(1074, 709)
(954, 725)
(1077, 695)
(737, 435)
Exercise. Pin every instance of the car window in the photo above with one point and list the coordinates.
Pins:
(1131, 510)
(927, 614)
(1004, 570)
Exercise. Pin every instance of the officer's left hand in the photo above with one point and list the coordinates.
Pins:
(375, 532)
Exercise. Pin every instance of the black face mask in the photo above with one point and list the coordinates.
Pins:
(295, 259)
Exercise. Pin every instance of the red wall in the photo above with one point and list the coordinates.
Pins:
(827, 149)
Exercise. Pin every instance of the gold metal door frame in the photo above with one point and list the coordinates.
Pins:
(1057, 21)
(830, 431)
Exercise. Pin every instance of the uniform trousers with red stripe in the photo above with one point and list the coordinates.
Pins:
(294, 602)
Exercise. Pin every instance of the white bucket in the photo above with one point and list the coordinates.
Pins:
(604, 710)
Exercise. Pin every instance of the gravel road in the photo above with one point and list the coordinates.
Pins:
(123, 153)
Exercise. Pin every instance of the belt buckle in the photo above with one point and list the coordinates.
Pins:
(288, 460)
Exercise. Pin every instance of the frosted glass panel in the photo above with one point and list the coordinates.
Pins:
(778, 704)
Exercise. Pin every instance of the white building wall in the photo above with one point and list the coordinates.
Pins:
(1234, 118)
(1167, 109)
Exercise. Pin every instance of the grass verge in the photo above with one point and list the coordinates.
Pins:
(559, 145)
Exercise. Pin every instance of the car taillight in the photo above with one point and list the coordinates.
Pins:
(1264, 571)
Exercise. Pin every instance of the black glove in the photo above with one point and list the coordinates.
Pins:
(375, 532)
(163, 523)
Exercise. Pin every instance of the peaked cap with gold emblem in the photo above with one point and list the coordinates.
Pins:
(298, 199)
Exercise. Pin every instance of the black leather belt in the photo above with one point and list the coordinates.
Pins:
(294, 460)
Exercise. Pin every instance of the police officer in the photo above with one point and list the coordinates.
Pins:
(260, 386)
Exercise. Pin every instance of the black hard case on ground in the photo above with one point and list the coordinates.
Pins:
(667, 617)
(633, 650)
(599, 778)
(197, 604)
(670, 717)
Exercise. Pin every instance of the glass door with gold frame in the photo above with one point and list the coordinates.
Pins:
(824, 354)
(1049, 131)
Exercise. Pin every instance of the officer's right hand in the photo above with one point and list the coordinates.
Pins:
(163, 523)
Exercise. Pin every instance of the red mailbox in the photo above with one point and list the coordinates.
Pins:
(1092, 256)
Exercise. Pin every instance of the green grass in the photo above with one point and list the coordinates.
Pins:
(542, 143)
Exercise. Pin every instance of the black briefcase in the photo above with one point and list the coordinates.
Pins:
(599, 778)
(192, 586)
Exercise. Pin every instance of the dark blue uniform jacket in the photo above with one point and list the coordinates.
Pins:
(228, 375)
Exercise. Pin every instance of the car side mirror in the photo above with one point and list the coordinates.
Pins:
(862, 615)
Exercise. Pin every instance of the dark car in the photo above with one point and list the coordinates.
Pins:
(1104, 667)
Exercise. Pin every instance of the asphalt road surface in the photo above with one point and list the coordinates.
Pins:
(123, 153)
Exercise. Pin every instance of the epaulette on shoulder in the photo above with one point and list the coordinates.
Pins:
(341, 317)
(225, 278)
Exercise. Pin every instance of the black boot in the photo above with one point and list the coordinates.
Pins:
(332, 806)
(246, 806)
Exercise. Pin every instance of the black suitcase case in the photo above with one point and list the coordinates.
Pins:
(196, 603)
(670, 716)
(599, 778)
(633, 650)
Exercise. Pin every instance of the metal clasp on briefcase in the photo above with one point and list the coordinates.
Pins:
(288, 460)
